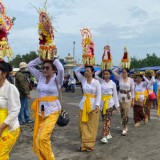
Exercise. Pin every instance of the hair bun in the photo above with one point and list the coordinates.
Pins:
(6, 67)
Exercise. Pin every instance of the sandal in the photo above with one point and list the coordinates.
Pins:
(80, 149)
(89, 150)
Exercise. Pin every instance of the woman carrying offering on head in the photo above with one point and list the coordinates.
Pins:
(47, 107)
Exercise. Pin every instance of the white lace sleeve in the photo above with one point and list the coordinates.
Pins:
(78, 74)
(32, 68)
(13, 99)
(60, 75)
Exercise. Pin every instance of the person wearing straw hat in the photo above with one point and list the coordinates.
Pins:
(22, 85)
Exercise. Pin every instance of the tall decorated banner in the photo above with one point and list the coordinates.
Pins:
(125, 61)
(5, 26)
(107, 59)
(47, 47)
(88, 47)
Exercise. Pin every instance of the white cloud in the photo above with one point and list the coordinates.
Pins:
(118, 23)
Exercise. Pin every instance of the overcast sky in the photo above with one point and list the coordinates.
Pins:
(134, 23)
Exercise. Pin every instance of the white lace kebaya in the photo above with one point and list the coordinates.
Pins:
(93, 88)
(150, 84)
(108, 88)
(10, 99)
(49, 89)
(125, 86)
(141, 88)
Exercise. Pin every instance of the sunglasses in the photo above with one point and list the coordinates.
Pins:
(46, 67)
(124, 71)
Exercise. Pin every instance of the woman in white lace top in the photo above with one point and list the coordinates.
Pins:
(109, 102)
(9, 110)
(89, 108)
(126, 95)
(47, 107)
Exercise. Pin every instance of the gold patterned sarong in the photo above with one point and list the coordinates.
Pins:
(88, 130)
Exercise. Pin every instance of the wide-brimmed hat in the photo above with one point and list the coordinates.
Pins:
(148, 72)
(22, 65)
(158, 73)
(137, 75)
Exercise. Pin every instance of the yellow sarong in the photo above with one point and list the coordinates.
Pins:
(88, 130)
(7, 142)
(43, 143)
(3, 115)
(105, 99)
(158, 97)
(7, 139)
(87, 107)
(35, 108)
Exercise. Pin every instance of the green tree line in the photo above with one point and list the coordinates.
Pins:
(148, 61)
(27, 58)
(23, 58)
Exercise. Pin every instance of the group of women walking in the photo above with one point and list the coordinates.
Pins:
(100, 95)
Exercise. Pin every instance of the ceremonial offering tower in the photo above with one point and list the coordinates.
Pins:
(107, 59)
(5, 26)
(125, 61)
